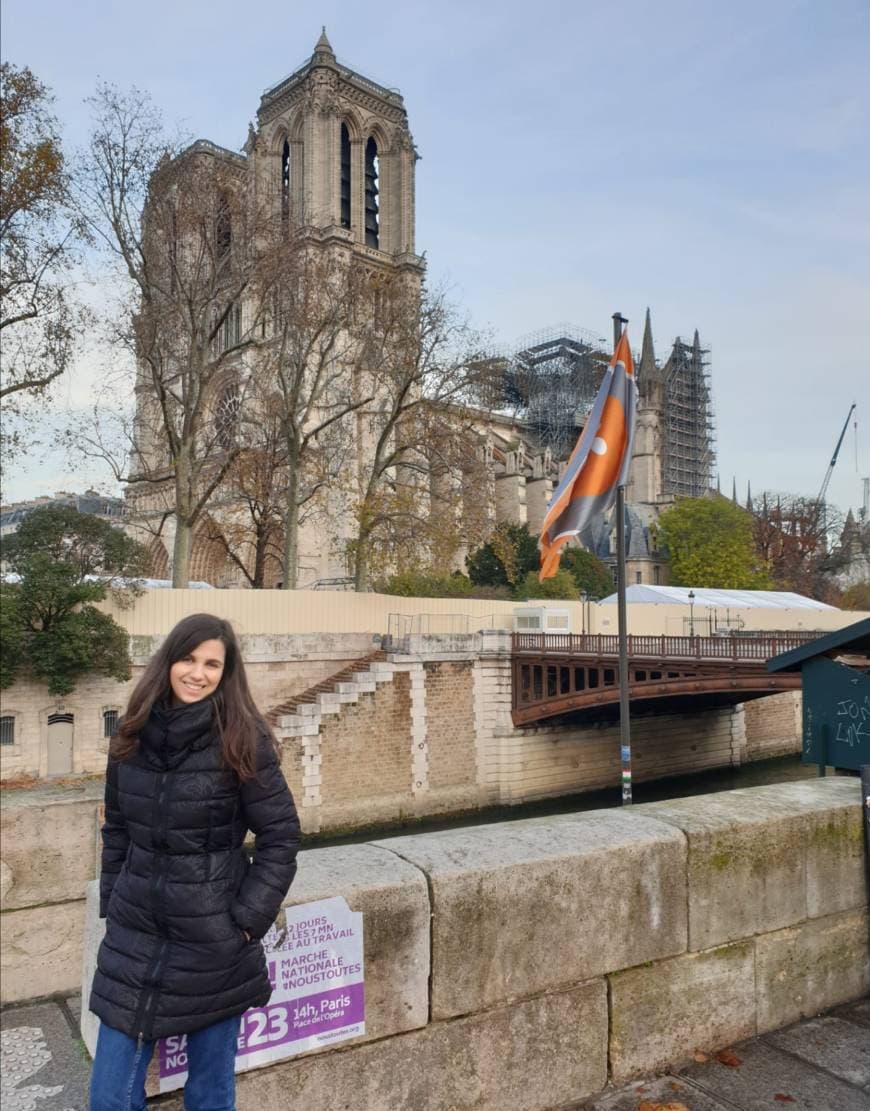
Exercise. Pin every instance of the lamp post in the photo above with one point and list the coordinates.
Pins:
(691, 613)
(583, 598)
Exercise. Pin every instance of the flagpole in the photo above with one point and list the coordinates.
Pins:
(619, 322)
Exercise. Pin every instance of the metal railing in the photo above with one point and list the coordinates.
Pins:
(660, 647)
(444, 624)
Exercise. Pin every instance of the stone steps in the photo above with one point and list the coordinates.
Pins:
(301, 715)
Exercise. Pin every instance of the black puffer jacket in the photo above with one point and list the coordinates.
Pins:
(176, 886)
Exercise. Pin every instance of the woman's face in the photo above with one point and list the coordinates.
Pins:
(198, 674)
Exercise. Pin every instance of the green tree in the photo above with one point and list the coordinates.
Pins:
(505, 559)
(63, 562)
(856, 597)
(588, 572)
(710, 543)
(419, 584)
(560, 586)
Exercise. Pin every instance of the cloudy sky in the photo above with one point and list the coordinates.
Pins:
(709, 160)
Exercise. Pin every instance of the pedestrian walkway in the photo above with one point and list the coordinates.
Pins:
(43, 1062)
(820, 1064)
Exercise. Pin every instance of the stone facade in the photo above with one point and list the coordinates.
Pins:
(773, 726)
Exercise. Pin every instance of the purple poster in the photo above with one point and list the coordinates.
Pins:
(318, 996)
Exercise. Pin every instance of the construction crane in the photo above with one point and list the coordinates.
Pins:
(821, 498)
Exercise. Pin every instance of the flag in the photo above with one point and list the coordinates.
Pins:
(598, 464)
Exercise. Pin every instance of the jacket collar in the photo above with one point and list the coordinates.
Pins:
(172, 732)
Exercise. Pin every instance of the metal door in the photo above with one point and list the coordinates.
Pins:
(60, 743)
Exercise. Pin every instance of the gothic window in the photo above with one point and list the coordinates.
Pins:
(345, 176)
(223, 231)
(371, 201)
(227, 417)
(7, 729)
(173, 251)
(285, 183)
(110, 723)
(230, 333)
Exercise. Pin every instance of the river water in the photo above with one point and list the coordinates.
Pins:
(760, 773)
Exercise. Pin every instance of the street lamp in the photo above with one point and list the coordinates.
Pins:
(691, 613)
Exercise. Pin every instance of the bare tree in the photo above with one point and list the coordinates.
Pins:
(39, 237)
(792, 537)
(308, 367)
(181, 229)
(423, 363)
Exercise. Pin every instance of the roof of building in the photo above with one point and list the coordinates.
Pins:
(324, 54)
(854, 637)
(734, 599)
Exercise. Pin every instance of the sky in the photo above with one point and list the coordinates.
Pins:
(708, 160)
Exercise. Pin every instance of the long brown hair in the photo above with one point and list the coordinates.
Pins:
(238, 721)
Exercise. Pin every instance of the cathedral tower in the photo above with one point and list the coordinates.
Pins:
(335, 152)
(645, 475)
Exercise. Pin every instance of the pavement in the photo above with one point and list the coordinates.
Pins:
(43, 1062)
(819, 1064)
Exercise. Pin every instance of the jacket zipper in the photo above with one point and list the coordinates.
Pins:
(158, 881)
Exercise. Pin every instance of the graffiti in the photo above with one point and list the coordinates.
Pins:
(853, 721)
(808, 730)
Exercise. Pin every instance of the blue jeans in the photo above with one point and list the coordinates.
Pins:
(120, 1064)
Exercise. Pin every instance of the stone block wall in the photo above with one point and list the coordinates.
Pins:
(530, 970)
(773, 726)
(277, 667)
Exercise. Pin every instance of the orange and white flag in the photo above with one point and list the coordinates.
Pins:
(598, 464)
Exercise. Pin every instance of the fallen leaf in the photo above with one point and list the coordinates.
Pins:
(780, 1098)
(651, 1105)
(701, 1058)
(726, 1057)
(675, 1087)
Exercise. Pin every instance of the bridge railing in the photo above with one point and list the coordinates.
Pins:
(659, 647)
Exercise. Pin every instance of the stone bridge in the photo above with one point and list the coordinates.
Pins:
(555, 674)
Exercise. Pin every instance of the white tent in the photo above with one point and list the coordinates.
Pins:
(705, 596)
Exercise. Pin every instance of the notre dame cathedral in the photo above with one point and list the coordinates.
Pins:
(336, 150)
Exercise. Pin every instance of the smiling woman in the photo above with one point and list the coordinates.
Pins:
(198, 674)
(192, 767)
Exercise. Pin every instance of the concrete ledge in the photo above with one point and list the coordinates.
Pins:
(533, 906)
(830, 813)
(42, 951)
(764, 858)
(808, 968)
(535, 1055)
(394, 898)
(661, 1014)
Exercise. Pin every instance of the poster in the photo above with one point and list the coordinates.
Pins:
(315, 964)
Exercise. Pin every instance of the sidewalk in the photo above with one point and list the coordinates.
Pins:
(820, 1064)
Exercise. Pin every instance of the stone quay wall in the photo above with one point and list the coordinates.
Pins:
(529, 965)
(432, 735)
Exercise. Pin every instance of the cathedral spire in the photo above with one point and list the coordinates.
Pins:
(749, 496)
(647, 366)
(323, 46)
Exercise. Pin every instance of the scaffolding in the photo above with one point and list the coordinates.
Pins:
(689, 455)
(550, 381)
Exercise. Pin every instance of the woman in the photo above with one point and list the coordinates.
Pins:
(191, 769)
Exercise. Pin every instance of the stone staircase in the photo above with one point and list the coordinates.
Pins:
(301, 715)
